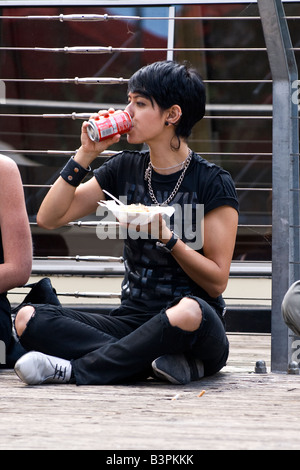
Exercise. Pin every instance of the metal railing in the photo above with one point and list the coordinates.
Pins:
(285, 244)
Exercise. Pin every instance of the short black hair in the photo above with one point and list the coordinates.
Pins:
(170, 83)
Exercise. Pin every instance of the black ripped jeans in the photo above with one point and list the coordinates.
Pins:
(120, 347)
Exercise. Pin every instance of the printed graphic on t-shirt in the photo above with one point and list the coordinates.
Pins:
(152, 276)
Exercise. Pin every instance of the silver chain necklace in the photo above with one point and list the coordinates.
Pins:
(181, 164)
(148, 177)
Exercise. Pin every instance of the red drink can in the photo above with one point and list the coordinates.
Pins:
(106, 127)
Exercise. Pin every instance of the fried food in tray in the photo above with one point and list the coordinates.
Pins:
(136, 214)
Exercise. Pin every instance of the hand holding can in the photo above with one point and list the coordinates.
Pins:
(107, 126)
(90, 149)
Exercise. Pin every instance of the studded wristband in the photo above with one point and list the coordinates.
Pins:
(73, 173)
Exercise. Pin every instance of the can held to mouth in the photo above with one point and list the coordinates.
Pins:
(119, 122)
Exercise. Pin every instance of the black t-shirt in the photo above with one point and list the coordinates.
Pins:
(152, 276)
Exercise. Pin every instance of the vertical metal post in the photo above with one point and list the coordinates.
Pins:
(285, 238)
(171, 33)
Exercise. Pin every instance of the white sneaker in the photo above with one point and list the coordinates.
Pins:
(178, 368)
(35, 368)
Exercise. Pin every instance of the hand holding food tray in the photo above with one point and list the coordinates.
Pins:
(135, 214)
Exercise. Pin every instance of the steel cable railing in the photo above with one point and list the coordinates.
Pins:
(94, 17)
(111, 50)
(119, 81)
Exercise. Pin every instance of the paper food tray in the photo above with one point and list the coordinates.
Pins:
(135, 214)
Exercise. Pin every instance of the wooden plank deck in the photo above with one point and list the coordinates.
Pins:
(239, 410)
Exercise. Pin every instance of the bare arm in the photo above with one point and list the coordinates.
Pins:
(211, 271)
(65, 203)
(15, 230)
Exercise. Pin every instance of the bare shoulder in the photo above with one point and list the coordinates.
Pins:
(7, 165)
(10, 180)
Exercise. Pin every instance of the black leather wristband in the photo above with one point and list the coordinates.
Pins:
(73, 173)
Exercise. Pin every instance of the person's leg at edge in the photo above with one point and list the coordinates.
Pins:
(5, 337)
(5, 328)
